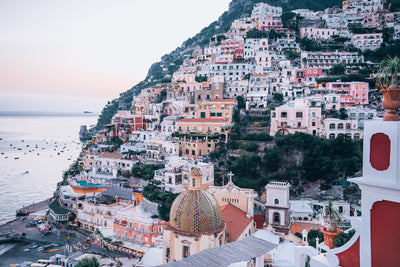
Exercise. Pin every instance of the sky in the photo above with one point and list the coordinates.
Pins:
(76, 55)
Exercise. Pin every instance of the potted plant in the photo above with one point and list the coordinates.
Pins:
(388, 81)
(331, 231)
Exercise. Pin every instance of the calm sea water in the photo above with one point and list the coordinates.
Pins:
(35, 148)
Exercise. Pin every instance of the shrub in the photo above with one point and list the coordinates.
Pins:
(250, 146)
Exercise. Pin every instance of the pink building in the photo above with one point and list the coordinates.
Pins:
(228, 47)
(351, 93)
(135, 223)
(308, 75)
(371, 20)
(124, 123)
(269, 22)
(296, 116)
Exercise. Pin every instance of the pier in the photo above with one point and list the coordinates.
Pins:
(34, 207)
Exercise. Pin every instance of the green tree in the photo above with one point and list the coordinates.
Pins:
(146, 172)
(271, 160)
(240, 102)
(256, 34)
(246, 170)
(343, 114)
(201, 78)
(312, 237)
(277, 97)
(166, 80)
(288, 15)
(236, 116)
(247, 76)
(88, 262)
(116, 142)
(337, 69)
(343, 238)
(291, 54)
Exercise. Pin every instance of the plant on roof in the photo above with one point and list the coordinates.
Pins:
(388, 81)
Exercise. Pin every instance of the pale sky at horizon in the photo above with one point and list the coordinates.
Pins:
(88, 52)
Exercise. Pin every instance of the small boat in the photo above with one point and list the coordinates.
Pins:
(16, 158)
(52, 250)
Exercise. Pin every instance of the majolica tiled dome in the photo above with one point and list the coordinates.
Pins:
(195, 210)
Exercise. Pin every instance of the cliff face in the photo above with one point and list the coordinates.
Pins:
(171, 62)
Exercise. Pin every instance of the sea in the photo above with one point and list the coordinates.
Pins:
(35, 149)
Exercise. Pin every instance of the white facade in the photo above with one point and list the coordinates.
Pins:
(262, 9)
(332, 127)
(317, 33)
(370, 41)
(235, 88)
(325, 60)
(259, 91)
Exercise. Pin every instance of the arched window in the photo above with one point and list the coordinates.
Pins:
(277, 219)
(332, 136)
(332, 126)
(276, 201)
(340, 126)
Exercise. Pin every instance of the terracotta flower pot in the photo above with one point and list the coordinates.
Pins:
(391, 102)
(329, 237)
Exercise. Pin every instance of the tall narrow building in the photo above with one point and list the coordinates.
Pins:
(277, 206)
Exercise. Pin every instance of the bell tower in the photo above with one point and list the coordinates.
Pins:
(277, 206)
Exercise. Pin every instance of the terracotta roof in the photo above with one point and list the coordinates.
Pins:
(258, 75)
(224, 100)
(236, 221)
(111, 155)
(201, 120)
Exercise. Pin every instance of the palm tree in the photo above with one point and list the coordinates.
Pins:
(332, 214)
(388, 73)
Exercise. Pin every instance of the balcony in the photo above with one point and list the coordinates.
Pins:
(88, 212)
(123, 223)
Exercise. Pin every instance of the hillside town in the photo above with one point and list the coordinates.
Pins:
(146, 184)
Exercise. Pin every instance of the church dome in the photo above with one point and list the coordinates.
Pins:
(195, 210)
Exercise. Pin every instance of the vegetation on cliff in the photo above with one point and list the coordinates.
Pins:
(298, 158)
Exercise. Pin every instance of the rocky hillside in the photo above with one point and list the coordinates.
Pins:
(171, 62)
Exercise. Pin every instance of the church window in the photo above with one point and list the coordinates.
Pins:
(194, 182)
(277, 219)
(185, 251)
(276, 201)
